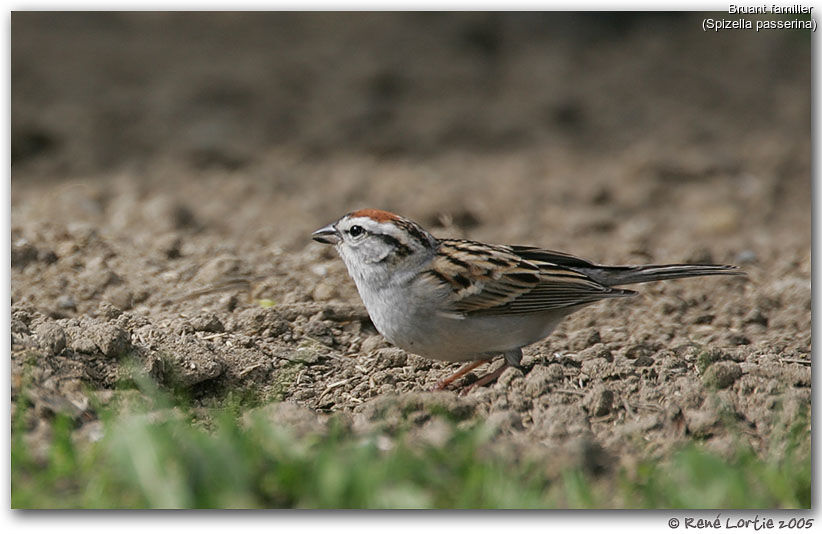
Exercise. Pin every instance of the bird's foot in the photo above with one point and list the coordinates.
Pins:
(465, 369)
(487, 379)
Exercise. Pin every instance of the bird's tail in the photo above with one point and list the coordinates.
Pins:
(623, 275)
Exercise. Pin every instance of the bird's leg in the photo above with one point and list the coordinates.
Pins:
(462, 371)
(490, 377)
(512, 359)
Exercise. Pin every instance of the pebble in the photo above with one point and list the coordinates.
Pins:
(597, 351)
(636, 351)
(22, 253)
(391, 357)
(112, 340)
(756, 316)
(746, 256)
(323, 292)
(584, 338)
(373, 343)
(598, 402)
(721, 375)
(66, 302)
(700, 422)
(108, 311)
(120, 297)
(52, 338)
(207, 322)
(219, 269)
(505, 421)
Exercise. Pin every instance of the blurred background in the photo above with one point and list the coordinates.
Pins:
(169, 168)
(549, 127)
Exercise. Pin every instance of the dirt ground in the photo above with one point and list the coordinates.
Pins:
(168, 169)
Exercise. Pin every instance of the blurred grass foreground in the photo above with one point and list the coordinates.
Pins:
(151, 454)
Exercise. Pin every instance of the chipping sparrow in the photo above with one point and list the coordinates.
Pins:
(458, 300)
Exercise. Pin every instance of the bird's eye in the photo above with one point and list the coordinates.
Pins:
(356, 231)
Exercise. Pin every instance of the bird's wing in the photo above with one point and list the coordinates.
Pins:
(498, 280)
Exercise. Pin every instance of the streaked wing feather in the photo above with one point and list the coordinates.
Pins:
(497, 280)
(483, 276)
(550, 257)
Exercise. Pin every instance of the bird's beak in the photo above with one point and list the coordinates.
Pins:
(327, 234)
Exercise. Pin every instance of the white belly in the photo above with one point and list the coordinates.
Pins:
(455, 340)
